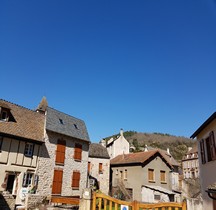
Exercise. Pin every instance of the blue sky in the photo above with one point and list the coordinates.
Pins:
(148, 66)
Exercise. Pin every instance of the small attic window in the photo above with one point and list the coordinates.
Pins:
(61, 121)
(75, 126)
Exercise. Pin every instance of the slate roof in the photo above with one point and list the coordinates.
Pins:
(98, 151)
(65, 124)
(25, 123)
(138, 158)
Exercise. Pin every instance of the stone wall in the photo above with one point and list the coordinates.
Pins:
(34, 200)
(47, 165)
(103, 178)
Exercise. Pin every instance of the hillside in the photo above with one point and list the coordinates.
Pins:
(177, 145)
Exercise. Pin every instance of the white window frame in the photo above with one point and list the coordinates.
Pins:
(29, 149)
(27, 179)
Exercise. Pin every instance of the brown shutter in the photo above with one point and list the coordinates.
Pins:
(60, 152)
(89, 167)
(75, 179)
(78, 152)
(202, 151)
(162, 176)
(57, 182)
(100, 168)
(212, 145)
(151, 174)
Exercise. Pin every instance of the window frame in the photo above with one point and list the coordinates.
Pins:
(163, 176)
(125, 174)
(75, 184)
(78, 152)
(100, 168)
(151, 173)
(27, 179)
(29, 149)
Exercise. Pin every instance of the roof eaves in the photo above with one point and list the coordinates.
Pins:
(207, 122)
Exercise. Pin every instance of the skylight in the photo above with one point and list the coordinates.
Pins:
(61, 121)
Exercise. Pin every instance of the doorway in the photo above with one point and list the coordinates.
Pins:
(10, 183)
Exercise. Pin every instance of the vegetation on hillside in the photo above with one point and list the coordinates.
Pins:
(177, 145)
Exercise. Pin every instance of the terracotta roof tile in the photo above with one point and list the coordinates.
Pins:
(27, 123)
(139, 157)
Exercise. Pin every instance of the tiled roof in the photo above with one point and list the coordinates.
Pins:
(62, 123)
(26, 123)
(193, 150)
(169, 158)
(138, 158)
(98, 151)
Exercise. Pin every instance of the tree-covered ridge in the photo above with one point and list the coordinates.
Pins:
(177, 145)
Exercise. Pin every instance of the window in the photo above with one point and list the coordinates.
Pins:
(121, 174)
(4, 115)
(208, 148)
(116, 171)
(163, 176)
(75, 126)
(78, 152)
(61, 121)
(157, 197)
(27, 178)
(29, 148)
(151, 175)
(1, 141)
(76, 179)
(89, 167)
(100, 168)
(125, 174)
(60, 152)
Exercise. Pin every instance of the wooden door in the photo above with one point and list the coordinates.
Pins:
(57, 182)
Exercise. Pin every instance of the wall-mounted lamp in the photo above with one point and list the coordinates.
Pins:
(211, 193)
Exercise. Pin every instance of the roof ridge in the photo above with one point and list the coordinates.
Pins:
(18, 105)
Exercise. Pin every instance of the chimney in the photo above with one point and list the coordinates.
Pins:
(121, 132)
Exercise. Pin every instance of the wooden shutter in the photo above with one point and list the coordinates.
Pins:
(100, 168)
(212, 145)
(89, 167)
(75, 179)
(162, 176)
(151, 174)
(57, 182)
(60, 152)
(202, 151)
(78, 152)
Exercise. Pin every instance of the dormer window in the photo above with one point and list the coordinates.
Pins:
(61, 121)
(4, 114)
(75, 126)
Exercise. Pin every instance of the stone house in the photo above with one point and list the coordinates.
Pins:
(99, 168)
(142, 176)
(205, 136)
(63, 162)
(117, 146)
(190, 164)
(21, 139)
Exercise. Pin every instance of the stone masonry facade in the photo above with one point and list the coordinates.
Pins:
(47, 165)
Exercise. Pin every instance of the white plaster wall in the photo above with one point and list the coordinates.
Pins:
(207, 170)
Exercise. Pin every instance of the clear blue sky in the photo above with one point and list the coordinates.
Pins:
(146, 65)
